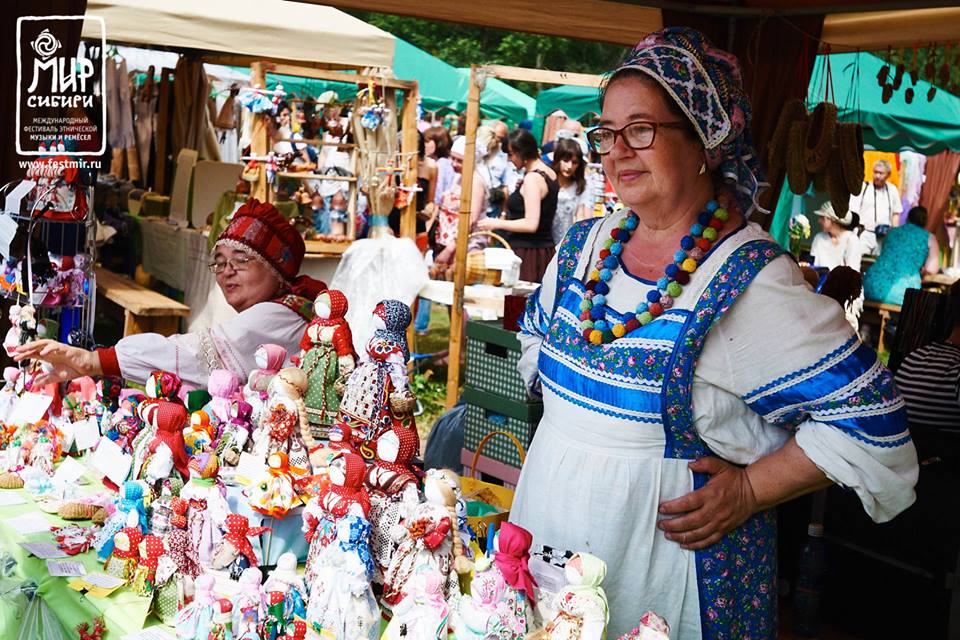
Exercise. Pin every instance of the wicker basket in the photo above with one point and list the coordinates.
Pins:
(492, 494)
(477, 272)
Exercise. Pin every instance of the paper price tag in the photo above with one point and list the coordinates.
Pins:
(110, 460)
(249, 468)
(43, 549)
(69, 471)
(86, 433)
(65, 568)
(30, 408)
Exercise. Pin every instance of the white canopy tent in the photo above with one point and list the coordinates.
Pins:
(266, 30)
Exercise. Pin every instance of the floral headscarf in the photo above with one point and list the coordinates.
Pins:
(707, 85)
(396, 318)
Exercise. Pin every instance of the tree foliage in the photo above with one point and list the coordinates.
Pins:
(462, 45)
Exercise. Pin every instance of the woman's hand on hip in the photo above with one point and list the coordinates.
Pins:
(704, 516)
(68, 362)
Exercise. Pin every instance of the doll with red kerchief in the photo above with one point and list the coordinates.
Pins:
(274, 493)
(249, 604)
(235, 553)
(394, 492)
(208, 511)
(165, 453)
(346, 495)
(160, 386)
(327, 357)
(125, 555)
(145, 576)
(377, 393)
(510, 560)
(178, 541)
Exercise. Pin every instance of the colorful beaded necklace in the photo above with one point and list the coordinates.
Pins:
(693, 247)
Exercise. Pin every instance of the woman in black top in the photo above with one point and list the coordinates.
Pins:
(530, 209)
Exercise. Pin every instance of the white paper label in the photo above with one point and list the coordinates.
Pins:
(43, 549)
(111, 461)
(65, 568)
(103, 580)
(86, 433)
(29, 523)
(30, 408)
(68, 472)
(10, 499)
(249, 468)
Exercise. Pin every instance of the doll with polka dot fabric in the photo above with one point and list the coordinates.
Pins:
(207, 497)
(145, 577)
(274, 492)
(235, 552)
(124, 557)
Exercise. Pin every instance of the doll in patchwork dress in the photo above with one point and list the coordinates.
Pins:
(145, 576)
(429, 537)
(195, 621)
(201, 434)
(125, 555)
(270, 358)
(207, 497)
(345, 496)
(479, 616)
(221, 624)
(394, 493)
(582, 611)
(178, 566)
(284, 426)
(130, 512)
(235, 435)
(274, 493)
(423, 613)
(512, 546)
(285, 580)
(342, 604)
(327, 357)
(377, 392)
(179, 543)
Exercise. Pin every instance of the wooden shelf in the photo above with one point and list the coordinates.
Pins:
(324, 248)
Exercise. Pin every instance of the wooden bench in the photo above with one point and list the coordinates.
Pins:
(883, 310)
(145, 311)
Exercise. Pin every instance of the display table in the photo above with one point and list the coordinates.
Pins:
(481, 301)
(123, 610)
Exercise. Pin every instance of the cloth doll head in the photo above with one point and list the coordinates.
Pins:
(396, 448)
(240, 413)
(251, 580)
(179, 507)
(270, 357)
(393, 317)
(150, 548)
(126, 542)
(584, 573)
(163, 384)
(203, 588)
(291, 382)
(347, 470)
(285, 574)
(512, 557)
(200, 421)
(330, 306)
(204, 465)
(340, 432)
(223, 383)
(132, 491)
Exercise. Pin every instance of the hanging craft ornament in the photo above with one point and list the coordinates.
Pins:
(693, 248)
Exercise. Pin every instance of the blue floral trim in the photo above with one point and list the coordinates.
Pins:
(736, 576)
(833, 355)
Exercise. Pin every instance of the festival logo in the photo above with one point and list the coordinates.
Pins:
(60, 105)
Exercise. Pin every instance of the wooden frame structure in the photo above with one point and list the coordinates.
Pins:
(261, 144)
(478, 76)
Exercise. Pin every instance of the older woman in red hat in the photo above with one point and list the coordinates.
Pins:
(256, 261)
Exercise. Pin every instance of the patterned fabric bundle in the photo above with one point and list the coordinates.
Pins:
(706, 83)
(512, 559)
(238, 530)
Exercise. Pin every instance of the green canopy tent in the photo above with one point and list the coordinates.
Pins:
(575, 101)
(442, 86)
(924, 127)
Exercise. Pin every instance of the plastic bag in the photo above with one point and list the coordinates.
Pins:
(39, 622)
(13, 596)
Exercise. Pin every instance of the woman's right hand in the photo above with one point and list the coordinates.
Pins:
(68, 362)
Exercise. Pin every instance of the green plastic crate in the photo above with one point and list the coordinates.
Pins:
(492, 357)
(487, 412)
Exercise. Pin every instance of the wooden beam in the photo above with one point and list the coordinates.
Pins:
(164, 108)
(463, 231)
(542, 75)
(879, 29)
(339, 76)
(235, 60)
(260, 143)
(408, 147)
(599, 20)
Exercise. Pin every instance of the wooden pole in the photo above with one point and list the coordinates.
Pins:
(260, 141)
(463, 230)
(408, 148)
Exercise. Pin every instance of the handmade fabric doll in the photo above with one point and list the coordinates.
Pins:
(208, 505)
(284, 579)
(195, 620)
(377, 392)
(166, 452)
(124, 555)
(394, 494)
(429, 537)
(145, 576)
(296, 631)
(341, 438)
(249, 605)
(478, 616)
(221, 625)
(327, 357)
(41, 456)
(180, 546)
(12, 338)
(234, 551)
(346, 495)
(201, 433)
(512, 546)
(235, 434)
(284, 426)
(130, 512)
(224, 386)
(342, 604)
(582, 611)
(423, 613)
(270, 358)
(273, 493)
(652, 627)
(275, 621)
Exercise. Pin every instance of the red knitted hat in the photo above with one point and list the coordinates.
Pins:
(259, 227)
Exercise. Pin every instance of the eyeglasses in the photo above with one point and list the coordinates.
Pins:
(636, 135)
(237, 263)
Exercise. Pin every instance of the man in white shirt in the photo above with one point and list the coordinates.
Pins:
(878, 205)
